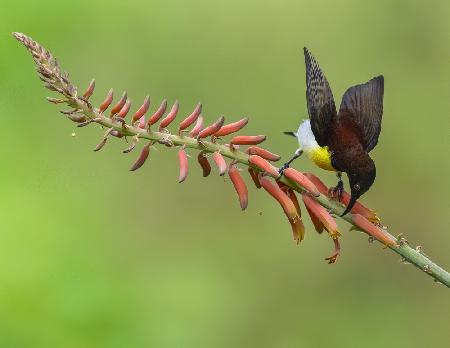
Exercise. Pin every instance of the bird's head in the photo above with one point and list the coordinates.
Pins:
(360, 181)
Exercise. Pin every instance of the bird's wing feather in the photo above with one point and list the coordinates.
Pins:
(321, 106)
(364, 104)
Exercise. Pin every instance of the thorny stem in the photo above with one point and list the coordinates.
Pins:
(57, 81)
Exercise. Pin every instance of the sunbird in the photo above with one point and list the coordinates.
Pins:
(341, 141)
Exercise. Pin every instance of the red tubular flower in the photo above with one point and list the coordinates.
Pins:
(170, 116)
(197, 128)
(323, 189)
(265, 166)
(360, 209)
(362, 223)
(239, 186)
(318, 226)
(280, 196)
(255, 150)
(220, 162)
(107, 102)
(204, 163)
(254, 177)
(232, 128)
(298, 229)
(337, 250)
(302, 180)
(119, 104)
(158, 113)
(210, 130)
(182, 159)
(142, 158)
(191, 118)
(247, 140)
(89, 90)
(288, 207)
(292, 196)
(124, 111)
(142, 110)
(320, 214)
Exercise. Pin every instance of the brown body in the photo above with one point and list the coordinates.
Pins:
(346, 145)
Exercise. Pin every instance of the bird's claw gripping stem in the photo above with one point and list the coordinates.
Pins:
(283, 168)
(338, 191)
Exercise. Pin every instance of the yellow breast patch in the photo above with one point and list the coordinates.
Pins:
(321, 156)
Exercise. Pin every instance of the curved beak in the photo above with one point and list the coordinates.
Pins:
(350, 205)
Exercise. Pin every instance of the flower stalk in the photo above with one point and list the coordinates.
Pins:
(256, 159)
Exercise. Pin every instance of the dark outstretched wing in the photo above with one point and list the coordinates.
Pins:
(364, 103)
(321, 107)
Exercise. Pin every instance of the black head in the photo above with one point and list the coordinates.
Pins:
(360, 181)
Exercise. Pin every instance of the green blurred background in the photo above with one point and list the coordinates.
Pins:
(92, 255)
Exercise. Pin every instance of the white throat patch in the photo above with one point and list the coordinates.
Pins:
(306, 138)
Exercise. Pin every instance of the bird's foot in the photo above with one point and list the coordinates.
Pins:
(337, 251)
(337, 192)
(283, 168)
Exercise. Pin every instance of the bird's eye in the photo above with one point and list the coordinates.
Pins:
(356, 187)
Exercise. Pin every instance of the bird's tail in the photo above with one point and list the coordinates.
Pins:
(292, 134)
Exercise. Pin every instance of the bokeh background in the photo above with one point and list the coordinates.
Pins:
(92, 255)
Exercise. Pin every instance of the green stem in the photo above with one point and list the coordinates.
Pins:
(411, 255)
(57, 81)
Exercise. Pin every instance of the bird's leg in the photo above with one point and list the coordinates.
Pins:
(285, 166)
(339, 189)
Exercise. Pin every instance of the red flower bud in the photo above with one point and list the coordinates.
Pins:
(183, 160)
(142, 158)
(247, 140)
(220, 162)
(119, 104)
(232, 128)
(170, 116)
(255, 150)
(210, 130)
(197, 128)
(142, 110)
(89, 90)
(204, 163)
(142, 123)
(239, 186)
(191, 118)
(301, 180)
(107, 102)
(158, 113)
(265, 166)
(124, 111)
